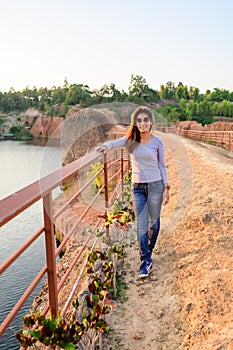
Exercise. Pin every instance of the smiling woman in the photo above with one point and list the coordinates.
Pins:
(144, 124)
(149, 180)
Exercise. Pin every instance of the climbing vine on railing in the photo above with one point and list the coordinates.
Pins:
(88, 314)
(95, 167)
(87, 322)
(122, 214)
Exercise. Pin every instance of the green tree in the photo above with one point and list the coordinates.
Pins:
(192, 109)
(231, 96)
(196, 94)
(105, 94)
(137, 88)
(230, 109)
(20, 132)
(162, 91)
(219, 95)
(180, 91)
(31, 96)
(108, 93)
(78, 94)
(169, 91)
(170, 112)
(224, 108)
(13, 101)
(58, 95)
(204, 108)
(44, 97)
(115, 93)
(215, 109)
(64, 109)
(183, 110)
(186, 93)
(208, 94)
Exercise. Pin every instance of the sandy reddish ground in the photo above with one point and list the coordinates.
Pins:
(187, 302)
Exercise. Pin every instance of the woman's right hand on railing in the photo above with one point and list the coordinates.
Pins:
(101, 148)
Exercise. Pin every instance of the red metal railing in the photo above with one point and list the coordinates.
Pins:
(217, 138)
(16, 203)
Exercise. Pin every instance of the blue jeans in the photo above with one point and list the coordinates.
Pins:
(147, 201)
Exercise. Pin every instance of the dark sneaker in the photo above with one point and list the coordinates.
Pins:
(145, 269)
(150, 268)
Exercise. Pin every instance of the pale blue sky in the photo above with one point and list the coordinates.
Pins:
(97, 42)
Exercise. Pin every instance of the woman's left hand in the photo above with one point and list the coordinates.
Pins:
(166, 197)
(101, 149)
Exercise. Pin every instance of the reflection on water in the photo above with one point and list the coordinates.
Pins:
(21, 164)
(44, 142)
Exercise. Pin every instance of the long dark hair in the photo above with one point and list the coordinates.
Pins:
(133, 134)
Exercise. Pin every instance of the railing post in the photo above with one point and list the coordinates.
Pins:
(122, 174)
(106, 189)
(129, 162)
(122, 169)
(50, 254)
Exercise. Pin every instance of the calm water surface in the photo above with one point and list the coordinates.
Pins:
(21, 164)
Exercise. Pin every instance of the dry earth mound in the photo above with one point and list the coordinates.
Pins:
(86, 128)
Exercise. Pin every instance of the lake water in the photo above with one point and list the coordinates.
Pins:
(22, 163)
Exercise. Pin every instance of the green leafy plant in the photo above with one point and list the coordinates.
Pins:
(88, 315)
(51, 331)
(20, 132)
(87, 321)
(121, 219)
(122, 214)
(95, 167)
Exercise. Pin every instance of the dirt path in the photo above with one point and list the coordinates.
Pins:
(188, 300)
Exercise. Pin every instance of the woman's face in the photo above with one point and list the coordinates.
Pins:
(143, 122)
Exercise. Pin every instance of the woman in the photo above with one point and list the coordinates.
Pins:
(149, 180)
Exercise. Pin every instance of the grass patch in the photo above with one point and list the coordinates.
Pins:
(121, 288)
(210, 142)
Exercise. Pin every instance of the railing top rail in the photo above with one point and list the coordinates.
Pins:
(17, 202)
(207, 131)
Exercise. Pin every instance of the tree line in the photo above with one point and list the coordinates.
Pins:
(182, 102)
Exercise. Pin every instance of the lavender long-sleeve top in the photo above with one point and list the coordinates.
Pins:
(148, 161)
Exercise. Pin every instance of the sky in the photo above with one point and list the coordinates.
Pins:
(97, 42)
